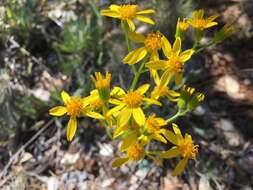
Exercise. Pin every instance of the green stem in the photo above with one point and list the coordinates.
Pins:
(204, 47)
(137, 75)
(129, 48)
(177, 115)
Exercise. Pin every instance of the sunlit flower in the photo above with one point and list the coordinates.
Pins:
(199, 22)
(175, 60)
(128, 13)
(74, 107)
(184, 147)
(152, 43)
(135, 152)
(129, 105)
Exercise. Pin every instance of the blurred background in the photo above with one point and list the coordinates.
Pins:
(50, 45)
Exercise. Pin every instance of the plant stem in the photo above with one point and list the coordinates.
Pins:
(174, 117)
(204, 47)
(137, 75)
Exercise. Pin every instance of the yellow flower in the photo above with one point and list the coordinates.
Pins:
(74, 107)
(161, 89)
(129, 104)
(128, 13)
(184, 148)
(152, 43)
(182, 25)
(135, 152)
(102, 84)
(175, 60)
(199, 22)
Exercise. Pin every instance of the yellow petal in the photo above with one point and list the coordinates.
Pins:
(117, 91)
(71, 128)
(152, 101)
(144, 19)
(65, 97)
(135, 56)
(154, 74)
(119, 130)
(210, 24)
(157, 64)
(124, 116)
(166, 47)
(177, 131)
(131, 25)
(94, 115)
(177, 46)
(171, 153)
(58, 111)
(180, 167)
(114, 7)
(165, 79)
(170, 136)
(147, 11)
(186, 55)
(109, 13)
(138, 38)
(115, 110)
(118, 162)
(128, 141)
(143, 88)
(159, 137)
(139, 116)
(114, 101)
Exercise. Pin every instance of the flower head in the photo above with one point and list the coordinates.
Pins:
(102, 84)
(182, 26)
(134, 152)
(175, 60)
(129, 105)
(74, 107)
(199, 22)
(128, 13)
(183, 147)
(152, 43)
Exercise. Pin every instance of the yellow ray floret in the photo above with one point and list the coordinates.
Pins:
(128, 13)
(175, 60)
(74, 107)
(199, 22)
(184, 147)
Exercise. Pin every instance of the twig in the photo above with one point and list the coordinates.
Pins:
(14, 156)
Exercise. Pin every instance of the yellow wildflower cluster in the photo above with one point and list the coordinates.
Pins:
(128, 113)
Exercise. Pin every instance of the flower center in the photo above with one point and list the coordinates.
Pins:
(74, 106)
(133, 99)
(200, 23)
(152, 124)
(153, 41)
(174, 64)
(188, 149)
(127, 11)
(135, 152)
